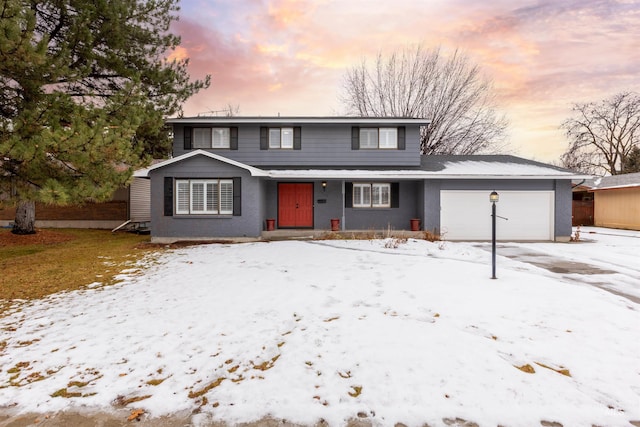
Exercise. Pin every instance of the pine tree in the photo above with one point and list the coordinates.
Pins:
(85, 87)
(632, 162)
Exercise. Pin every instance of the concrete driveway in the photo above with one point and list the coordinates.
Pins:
(599, 259)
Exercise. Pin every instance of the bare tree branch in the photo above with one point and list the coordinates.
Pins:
(450, 91)
(603, 134)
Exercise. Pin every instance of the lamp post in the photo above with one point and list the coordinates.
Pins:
(493, 198)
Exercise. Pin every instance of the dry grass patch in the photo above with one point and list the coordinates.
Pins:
(527, 369)
(122, 401)
(561, 370)
(156, 381)
(267, 364)
(357, 391)
(205, 390)
(47, 262)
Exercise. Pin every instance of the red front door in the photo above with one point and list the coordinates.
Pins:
(295, 205)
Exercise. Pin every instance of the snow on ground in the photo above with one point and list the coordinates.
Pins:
(336, 330)
(609, 249)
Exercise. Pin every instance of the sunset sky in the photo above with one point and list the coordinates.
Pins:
(289, 57)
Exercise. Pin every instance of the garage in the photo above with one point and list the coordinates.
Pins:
(526, 215)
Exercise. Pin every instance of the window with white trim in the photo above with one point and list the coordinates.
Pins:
(204, 197)
(388, 138)
(211, 138)
(281, 138)
(378, 138)
(369, 138)
(371, 195)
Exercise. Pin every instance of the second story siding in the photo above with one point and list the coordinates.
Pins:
(304, 142)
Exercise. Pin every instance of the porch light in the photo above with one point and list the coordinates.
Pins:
(324, 185)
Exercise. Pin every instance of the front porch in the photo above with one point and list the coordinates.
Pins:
(305, 234)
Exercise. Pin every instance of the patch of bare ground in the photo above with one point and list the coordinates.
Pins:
(138, 417)
(122, 418)
(41, 237)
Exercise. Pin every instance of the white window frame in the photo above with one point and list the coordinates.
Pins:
(388, 139)
(201, 137)
(371, 195)
(281, 138)
(378, 199)
(361, 195)
(378, 138)
(369, 138)
(211, 137)
(220, 137)
(217, 197)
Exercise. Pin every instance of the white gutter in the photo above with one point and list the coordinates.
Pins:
(403, 174)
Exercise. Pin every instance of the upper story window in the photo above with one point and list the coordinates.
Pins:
(280, 138)
(210, 137)
(378, 138)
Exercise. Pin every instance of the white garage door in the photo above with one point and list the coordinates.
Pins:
(466, 215)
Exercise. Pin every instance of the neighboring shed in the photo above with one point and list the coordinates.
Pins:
(617, 201)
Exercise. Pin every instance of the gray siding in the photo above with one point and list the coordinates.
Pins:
(323, 212)
(249, 224)
(322, 145)
(431, 205)
(394, 218)
(353, 218)
(564, 207)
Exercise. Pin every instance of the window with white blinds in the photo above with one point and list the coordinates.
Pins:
(204, 196)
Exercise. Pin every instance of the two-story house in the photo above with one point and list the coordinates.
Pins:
(237, 176)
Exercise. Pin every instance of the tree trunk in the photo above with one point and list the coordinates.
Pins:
(25, 218)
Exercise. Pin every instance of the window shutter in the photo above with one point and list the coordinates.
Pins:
(348, 194)
(355, 138)
(168, 196)
(297, 138)
(187, 137)
(233, 138)
(237, 192)
(264, 138)
(395, 194)
(401, 138)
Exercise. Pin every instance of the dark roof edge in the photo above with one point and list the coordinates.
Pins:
(297, 119)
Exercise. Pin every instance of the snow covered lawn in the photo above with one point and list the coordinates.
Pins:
(337, 330)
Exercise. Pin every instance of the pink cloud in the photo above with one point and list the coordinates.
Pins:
(289, 56)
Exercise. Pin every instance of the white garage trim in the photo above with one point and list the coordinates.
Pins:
(466, 215)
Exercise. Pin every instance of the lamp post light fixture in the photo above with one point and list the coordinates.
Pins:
(493, 198)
